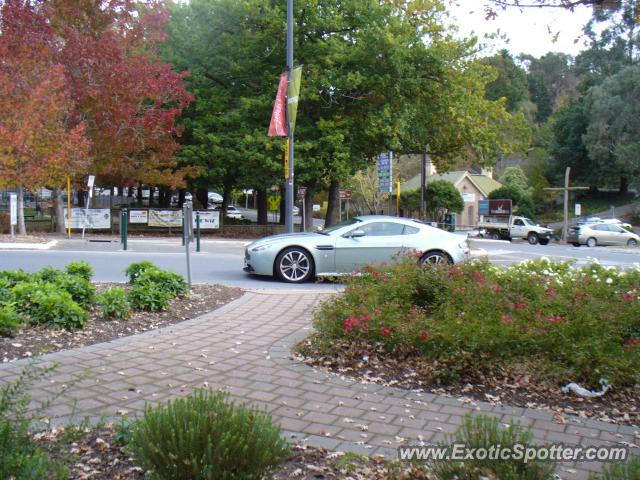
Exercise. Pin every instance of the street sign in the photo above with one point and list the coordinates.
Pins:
(13, 207)
(578, 209)
(345, 194)
(302, 191)
(91, 181)
(385, 172)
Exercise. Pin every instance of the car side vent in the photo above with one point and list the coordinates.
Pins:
(324, 247)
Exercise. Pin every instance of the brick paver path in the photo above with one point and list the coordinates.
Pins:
(245, 348)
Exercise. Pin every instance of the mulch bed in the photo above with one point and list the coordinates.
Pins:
(96, 454)
(34, 340)
(514, 388)
(23, 239)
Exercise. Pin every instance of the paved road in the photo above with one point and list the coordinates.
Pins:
(220, 261)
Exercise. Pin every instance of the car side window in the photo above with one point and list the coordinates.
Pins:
(601, 228)
(518, 223)
(409, 230)
(616, 229)
(382, 229)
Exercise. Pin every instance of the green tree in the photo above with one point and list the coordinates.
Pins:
(514, 177)
(410, 201)
(613, 135)
(511, 82)
(441, 197)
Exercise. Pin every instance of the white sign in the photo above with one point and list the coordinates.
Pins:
(92, 179)
(578, 209)
(13, 207)
(468, 197)
(138, 216)
(165, 218)
(208, 220)
(96, 218)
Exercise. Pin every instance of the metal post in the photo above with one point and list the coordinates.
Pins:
(289, 187)
(565, 227)
(197, 231)
(69, 207)
(423, 181)
(125, 227)
(185, 239)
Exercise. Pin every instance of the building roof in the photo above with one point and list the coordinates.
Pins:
(484, 183)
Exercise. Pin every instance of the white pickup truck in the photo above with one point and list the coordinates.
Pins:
(508, 228)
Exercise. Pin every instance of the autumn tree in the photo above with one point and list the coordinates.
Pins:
(41, 141)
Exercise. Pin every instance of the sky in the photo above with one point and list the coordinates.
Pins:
(527, 28)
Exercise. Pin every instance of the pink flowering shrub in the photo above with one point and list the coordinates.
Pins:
(565, 324)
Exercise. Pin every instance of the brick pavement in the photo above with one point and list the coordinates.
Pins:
(245, 348)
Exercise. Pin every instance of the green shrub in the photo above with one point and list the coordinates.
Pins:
(81, 290)
(134, 270)
(12, 278)
(620, 471)
(80, 268)
(205, 436)
(20, 458)
(167, 281)
(48, 304)
(9, 321)
(114, 304)
(145, 295)
(50, 275)
(482, 432)
(560, 323)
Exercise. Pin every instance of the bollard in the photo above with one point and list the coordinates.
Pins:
(183, 229)
(197, 231)
(125, 227)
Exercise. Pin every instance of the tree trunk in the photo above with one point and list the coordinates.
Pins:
(22, 230)
(81, 195)
(624, 185)
(263, 206)
(308, 210)
(58, 210)
(152, 192)
(202, 194)
(333, 205)
(139, 199)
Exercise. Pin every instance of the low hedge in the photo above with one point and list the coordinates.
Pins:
(557, 322)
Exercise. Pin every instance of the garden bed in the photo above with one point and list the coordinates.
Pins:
(514, 336)
(33, 340)
(53, 310)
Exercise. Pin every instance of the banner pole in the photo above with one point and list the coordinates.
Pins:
(68, 207)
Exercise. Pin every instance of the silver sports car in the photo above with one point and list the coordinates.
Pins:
(350, 245)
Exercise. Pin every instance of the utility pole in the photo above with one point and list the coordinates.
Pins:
(423, 187)
(288, 207)
(566, 190)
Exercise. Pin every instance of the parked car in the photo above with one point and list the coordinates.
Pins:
(175, 198)
(214, 197)
(350, 245)
(610, 221)
(296, 211)
(592, 234)
(232, 212)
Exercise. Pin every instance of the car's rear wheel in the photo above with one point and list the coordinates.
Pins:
(294, 265)
(576, 244)
(592, 242)
(544, 241)
(435, 258)
(494, 236)
(632, 243)
(532, 238)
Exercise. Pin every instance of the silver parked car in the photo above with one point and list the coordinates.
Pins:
(350, 245)
(592, 234)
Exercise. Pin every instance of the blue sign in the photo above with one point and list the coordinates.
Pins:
(385, 172)
(483, 207)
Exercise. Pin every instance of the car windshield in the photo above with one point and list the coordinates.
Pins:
(528, 222)
(340, 225)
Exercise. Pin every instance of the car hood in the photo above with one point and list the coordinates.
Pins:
(288, 238)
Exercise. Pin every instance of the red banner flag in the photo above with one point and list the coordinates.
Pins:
(278, 125)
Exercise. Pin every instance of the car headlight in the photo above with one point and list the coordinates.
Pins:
(259, 248)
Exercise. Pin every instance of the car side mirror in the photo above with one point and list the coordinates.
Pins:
(356, 234)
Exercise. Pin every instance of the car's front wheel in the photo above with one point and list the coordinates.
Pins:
(294, 265)
(592, 242)
(632, 243)
(435, 258)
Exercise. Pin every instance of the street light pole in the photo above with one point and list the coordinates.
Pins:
(289, 187)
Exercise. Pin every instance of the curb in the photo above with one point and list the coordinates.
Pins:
(28, 246)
